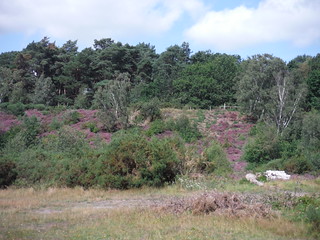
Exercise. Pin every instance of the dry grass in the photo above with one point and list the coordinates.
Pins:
(296, 185)
(142, 224)
(28, 198)
(226, 204)
(85, 214)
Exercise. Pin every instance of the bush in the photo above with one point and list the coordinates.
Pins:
(72, 117)
(55, 124)
(76, 172)
(31, 129)
(16, 109)
(308, 208)
(150, 110)
(7, 173)
(67, 140)
(5, 137)
(109, 121)
(313, 217)
(215, 160)
(156, 127)
(185, 129)
(132, 161)
(311, 131)
(264, 147)
(33, 166)
(82, 101)
(298, 164)
(92, 126)
(40, 107)
(58, 159)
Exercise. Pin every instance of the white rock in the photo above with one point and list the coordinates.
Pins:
(274, 175)
(253, 179)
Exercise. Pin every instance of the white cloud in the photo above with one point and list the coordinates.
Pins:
(94, 19)
(294, 21)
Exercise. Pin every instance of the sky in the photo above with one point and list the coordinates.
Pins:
(284, 28)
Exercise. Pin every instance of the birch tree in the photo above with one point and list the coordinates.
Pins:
(286, 96)
(255, 83)
(268, 91)
(113, 97)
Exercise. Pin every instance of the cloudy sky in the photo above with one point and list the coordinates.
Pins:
(284, 28)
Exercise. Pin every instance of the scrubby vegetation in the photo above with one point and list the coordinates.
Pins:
(115, 116)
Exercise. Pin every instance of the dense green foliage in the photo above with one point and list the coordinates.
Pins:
(182, 126)
(44, 73)
(133, 161)
(119, 79)
(208, 84)
(215, 160)
(288, 152)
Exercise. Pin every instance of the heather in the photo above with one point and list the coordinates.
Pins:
(72, 148)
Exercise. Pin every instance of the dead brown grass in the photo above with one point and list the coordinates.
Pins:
(220, 204)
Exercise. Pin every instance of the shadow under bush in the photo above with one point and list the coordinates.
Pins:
(7, 173)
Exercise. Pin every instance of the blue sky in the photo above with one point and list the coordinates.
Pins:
(285, 28)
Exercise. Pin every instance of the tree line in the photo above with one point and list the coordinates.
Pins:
(113, 75)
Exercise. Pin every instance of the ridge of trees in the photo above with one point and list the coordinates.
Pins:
(111, 75)
(283, 98)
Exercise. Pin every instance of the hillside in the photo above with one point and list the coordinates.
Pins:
(228, 128)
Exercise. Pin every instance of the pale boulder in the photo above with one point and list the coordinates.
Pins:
(276, 175)
(253, 179)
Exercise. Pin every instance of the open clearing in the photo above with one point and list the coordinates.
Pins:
(63, 213)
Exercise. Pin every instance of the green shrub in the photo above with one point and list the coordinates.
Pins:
(314, 158)
(109, 121)
(276, 164)
(59, 159)
(30, 130)
(33, 166)
(82, 101)
(189, 132)
(72, 117)
(15, 145)
(264, 147)
(22, 136)
(215, 160)
(150, 110)
(16, 109)
(312, 215)
(298, 164)
(156, 127)
(76, 172)
(55, 124)
(58, 109)
(133, 161)
(305, 208)
(40, 107)
(5, 137)
(67, 140)
(311, 131)
(92, 126)
(7, 173)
